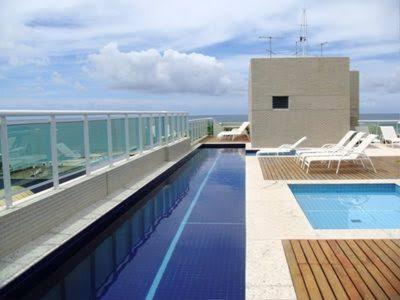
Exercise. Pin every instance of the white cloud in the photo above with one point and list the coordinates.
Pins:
(169, 71)
(79, 86)
(57, 79)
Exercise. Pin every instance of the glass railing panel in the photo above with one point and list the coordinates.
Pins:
(2, 200)
(30, 156)
(70, 152)
(373, 126)
(98, 141)
(133, 125)
(118, 136)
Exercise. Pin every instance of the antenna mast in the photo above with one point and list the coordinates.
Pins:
(303, 41)
(269, 38)
(322, 45)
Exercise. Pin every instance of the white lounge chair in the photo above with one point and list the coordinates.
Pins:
(330, 147)
(337, 151)
(389, 135)
(282, 149)
(355, 154)
(236, 132)
(365, 128)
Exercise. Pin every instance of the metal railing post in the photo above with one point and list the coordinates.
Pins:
(187, 125)
(53, 147)
(179, 121)
(167, 128)
(140, 133)
(86, 144)
(151, 132)
(159, 130)
(5, 162)
(127, 142)
(173, 127)
(109, 141)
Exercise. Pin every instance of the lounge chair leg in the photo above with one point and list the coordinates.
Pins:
(338, 166)
(308, 167)
(372, 165)
(362, 163)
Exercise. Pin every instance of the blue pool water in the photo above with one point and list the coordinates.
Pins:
(349, 206)
(186, 240)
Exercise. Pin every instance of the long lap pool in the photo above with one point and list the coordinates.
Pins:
(184, 240)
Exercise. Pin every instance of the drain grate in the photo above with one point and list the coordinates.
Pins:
(355, 220)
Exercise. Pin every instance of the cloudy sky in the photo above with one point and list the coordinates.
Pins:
(182, 55)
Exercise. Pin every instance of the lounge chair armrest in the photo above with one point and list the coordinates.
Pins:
(284, 146)
(328, 145)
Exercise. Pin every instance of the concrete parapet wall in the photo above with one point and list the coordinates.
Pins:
(47, 209)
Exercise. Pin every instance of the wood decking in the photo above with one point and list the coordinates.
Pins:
(286, 168)
(344, 269)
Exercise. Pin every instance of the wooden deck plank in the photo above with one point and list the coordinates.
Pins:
(344, 278)
(384, 257)
(344, 269)
(392, 254)
(351, 271)
(380, 265)
(286, 168)
(376, 273)
(306, 271)
(362, 270)
(316, 268)
(328, 270)
(295, 273)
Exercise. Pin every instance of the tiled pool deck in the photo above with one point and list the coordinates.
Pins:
(273, 215)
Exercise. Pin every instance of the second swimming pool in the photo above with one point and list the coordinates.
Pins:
(350, 206)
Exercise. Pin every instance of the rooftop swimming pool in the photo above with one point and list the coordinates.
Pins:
(185, 240)
(349, 206)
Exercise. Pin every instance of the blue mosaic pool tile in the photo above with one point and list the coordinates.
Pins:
(349, 206)
(205, 264)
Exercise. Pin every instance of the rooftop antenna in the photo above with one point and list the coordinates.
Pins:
(322, 45)
(303, 40)
(269, 38)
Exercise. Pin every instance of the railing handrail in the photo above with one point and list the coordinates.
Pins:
(377, 121)
(82, 112)
(200, 119)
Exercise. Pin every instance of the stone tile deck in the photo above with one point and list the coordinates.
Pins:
(344, 269)
(286, 168)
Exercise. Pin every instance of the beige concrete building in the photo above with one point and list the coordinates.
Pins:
(294, 97)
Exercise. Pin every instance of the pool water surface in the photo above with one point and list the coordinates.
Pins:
(349, 206)
(185, 240)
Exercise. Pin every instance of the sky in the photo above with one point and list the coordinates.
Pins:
(183, 55)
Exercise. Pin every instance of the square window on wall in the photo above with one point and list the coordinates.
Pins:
(280, 102)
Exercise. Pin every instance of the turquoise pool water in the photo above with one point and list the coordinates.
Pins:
(349, 206)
